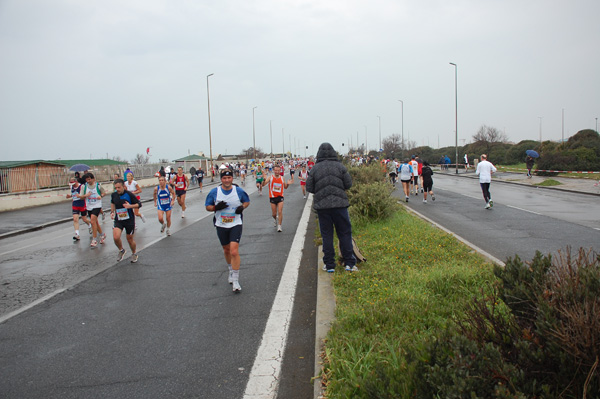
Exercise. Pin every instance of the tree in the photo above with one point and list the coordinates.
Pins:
(249, 153)
(392, 146)
(487, 137)
(140, 159)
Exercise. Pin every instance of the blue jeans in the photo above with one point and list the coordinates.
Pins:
(340, 219)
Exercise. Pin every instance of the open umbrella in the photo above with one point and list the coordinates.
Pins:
(79, 167)
(532, 153)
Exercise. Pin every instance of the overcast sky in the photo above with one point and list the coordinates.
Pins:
(81, 79)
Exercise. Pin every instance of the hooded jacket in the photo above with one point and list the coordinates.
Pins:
(328, 180)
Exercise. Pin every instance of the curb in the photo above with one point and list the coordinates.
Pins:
(65, 220)
(325, 314)
(555, 188)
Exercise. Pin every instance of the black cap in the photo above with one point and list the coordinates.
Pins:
(226, 172)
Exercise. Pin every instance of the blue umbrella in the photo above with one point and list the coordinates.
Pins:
(532, 153)
(79, 167)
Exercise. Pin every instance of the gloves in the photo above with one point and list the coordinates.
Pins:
(239, 209)
(221, 205)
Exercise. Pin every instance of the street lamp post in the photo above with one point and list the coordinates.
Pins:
(379, 117)
(253, 134)
(455, 113)
(366, 142)
(212, 175)
(282, 144)
(271, 130)
(402, 138)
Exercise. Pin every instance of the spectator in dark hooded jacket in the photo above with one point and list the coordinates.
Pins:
(328, 180)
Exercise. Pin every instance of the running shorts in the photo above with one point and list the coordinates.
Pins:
(406, 181)
(427, 186)
(179, 193)
(128, 226)
(416, 180)
(292, 172)
(276, 200)
(94, 211)
(228, 235)
(80, 210)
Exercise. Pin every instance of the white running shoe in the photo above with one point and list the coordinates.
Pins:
(274, 222)
(103, 216)
(143, 218)
(182, 214)
(163, 227)
(487, 205)
(103, 238)
(168, 232)
(304, 197)
(121, 255)
(93, 244)
(230, 279)
(491, 203)
(407, 199)
(134, 258)
(76, 237)
(279, 228)
(237, 287)
(432, 197)
(351, 269)
(424, 201)
(90, 229)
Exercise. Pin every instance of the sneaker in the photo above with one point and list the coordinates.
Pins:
(230, 279)
(163, 227)
(182, 214)
(304, 197)
(236, 287)
(103, 216)
(168, 232)
(424, 201)
(143, 218)
(103, 238)
(76, 237)
(407, 199)
(351, 269)
(94, 243)
(121, 255)
(325, 269)
(330, 270)
(487, 205)
(274, 222)
(134, 258)
(491, 203)
(90, 229)
(432, 197)
(279, 228)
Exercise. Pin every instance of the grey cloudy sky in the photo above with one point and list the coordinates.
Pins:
(87, 78)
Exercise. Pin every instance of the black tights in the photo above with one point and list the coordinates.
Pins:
(485, 188)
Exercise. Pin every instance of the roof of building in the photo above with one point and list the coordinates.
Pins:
(90, 162)
(16, 164)
(192, 157)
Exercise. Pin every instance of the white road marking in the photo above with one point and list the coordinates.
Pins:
(36, 243)
(524, 210)
(263, 381)
(597, 228)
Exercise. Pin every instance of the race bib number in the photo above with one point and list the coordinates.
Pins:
(165, 201)
(180, 185)
(122, 214)
(227, 217)
(277, 187)
(92, 200)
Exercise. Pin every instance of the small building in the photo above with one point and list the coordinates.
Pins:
(193, 160)
(22, 176)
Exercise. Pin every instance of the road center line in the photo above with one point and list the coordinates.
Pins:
(524, 210)
(263, 381)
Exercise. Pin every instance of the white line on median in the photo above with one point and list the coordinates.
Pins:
(524, 210)
(264, 377)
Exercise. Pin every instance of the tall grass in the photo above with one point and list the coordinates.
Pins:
(417, 281)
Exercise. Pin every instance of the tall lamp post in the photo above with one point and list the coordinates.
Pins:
(253, 134)
(282, 144)
(402, 138)
(455, 113)
(379, 117)
(366, 142)
(271, 130)
(212, 175)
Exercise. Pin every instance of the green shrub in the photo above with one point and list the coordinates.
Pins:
(367, 174)
(371, 202)
(536, 336)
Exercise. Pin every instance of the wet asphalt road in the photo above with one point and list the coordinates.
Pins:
(166, 327)
(523, 219)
